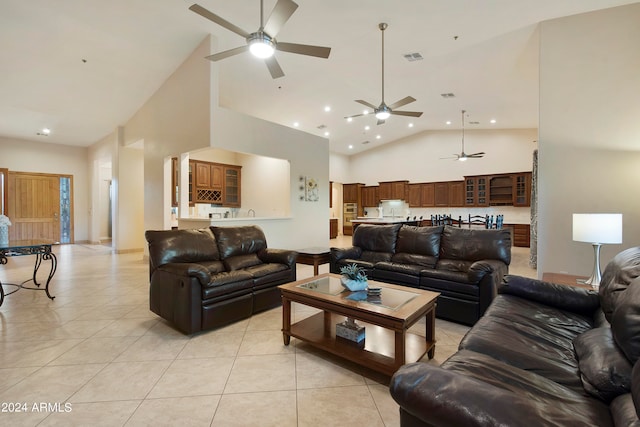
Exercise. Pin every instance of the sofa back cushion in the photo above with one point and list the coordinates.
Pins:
(617, 276)
(242, 240)
(625, 321)
(167, 246)
(376, 238)
(419, 240)
(475, 244)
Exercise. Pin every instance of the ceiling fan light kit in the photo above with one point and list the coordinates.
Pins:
(462, 157)
(384, 111)
(262, 43)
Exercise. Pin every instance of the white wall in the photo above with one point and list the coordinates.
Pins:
(29, 156)
(589, 113)
(417, 158)
(266, 185)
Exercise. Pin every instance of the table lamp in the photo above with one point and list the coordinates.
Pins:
(597, 229)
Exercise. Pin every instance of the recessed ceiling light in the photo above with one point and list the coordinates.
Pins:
(410, 125)
(492, 121)
(296, 124)
(327, 108)
(349, 119)
(365, 112)
(378, 137)
(351, 147)
(367, 128)
(326, 134)
(448, 122)
(44, 132)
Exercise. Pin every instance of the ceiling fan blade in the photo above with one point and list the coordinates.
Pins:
(407, 113)
(360, 101)
(403, 101)
(279, 16)
(304, 49)
(355, 115)
(380, 122)
(476, 155)
(455, 156)
(274, 67)
(218, 20)
(227, 53)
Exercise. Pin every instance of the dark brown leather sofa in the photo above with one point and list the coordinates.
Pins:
(202, 279)
(544, 354)
(464, 265)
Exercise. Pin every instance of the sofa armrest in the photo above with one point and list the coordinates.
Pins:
(479, 269)
(187, 269)
(278, 256)
(337, 254)
(443, 398)
(564, 297)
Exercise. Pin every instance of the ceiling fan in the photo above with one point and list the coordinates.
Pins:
(383, 111)
(262, 43)
(464, 156)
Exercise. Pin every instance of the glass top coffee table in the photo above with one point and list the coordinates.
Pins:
(386, 317)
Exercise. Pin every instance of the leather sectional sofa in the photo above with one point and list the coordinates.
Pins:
(202, 279)
(544, 354)
(464, 265)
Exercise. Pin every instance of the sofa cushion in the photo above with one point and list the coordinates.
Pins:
(623, 411)
(213, 266)
(635, 387)
(228, 285)
(374, 257)
(242, 240)
(402, 268)
(625, 322)
(167, 246)
(604, 369)
(241, 261)
(414, 259)
(620, 271)
(264, 274)
(444, 274)
(419, 240)
(376, 238)
(475, 245)
(530, 336)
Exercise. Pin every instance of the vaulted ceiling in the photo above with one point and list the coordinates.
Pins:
(83, 67)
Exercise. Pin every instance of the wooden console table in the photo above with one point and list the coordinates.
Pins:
(313, 256)
(42, 250)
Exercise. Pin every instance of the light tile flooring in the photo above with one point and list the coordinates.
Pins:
(97, 356)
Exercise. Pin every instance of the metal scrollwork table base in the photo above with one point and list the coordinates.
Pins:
(42, 251)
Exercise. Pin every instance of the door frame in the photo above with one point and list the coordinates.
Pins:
(4, 208)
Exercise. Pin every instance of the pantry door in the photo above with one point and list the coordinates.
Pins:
(34, 206)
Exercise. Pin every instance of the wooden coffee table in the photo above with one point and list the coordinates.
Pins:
(388, 344)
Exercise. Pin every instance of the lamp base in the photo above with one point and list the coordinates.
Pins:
(596, 276)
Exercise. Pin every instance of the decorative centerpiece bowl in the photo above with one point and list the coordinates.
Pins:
(353, 278)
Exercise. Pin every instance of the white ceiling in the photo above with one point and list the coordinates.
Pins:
(132, 46)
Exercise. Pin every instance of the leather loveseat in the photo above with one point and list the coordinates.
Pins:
(202, 279)
(464, 265)
(544, 354)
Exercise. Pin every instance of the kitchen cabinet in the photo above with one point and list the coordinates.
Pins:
(333, 228)
(369, 196)
(428, 194)
(476, 191)
(351, 193)
(522, 189)
(456, 193)
(415, 195)
(330, 194)
(174, 181)
(501, 190)
(393, 190)
(520, 234)
(215, 183)
(441, 194)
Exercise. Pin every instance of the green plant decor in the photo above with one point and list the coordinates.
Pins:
(353, 278)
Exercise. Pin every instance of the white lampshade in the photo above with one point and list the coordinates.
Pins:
(597, 228)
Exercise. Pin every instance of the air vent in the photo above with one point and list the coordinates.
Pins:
(365, 142)
(322, 126)
(447, 95)
(474, 123)
(413, 57)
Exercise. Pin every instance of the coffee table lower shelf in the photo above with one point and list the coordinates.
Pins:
(378, 351)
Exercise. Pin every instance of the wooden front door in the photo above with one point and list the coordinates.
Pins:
(34, 206)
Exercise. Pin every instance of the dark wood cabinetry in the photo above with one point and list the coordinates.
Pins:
(351, 193)
(174, 181)
(501, 190)
(522, 189)
(333, 228)
(369, 196)
(415, 195)
(392, 190)
(214, 183)
(456, 193)
(428, 194)
(476, 191)
(521, 234)
(441, 194)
